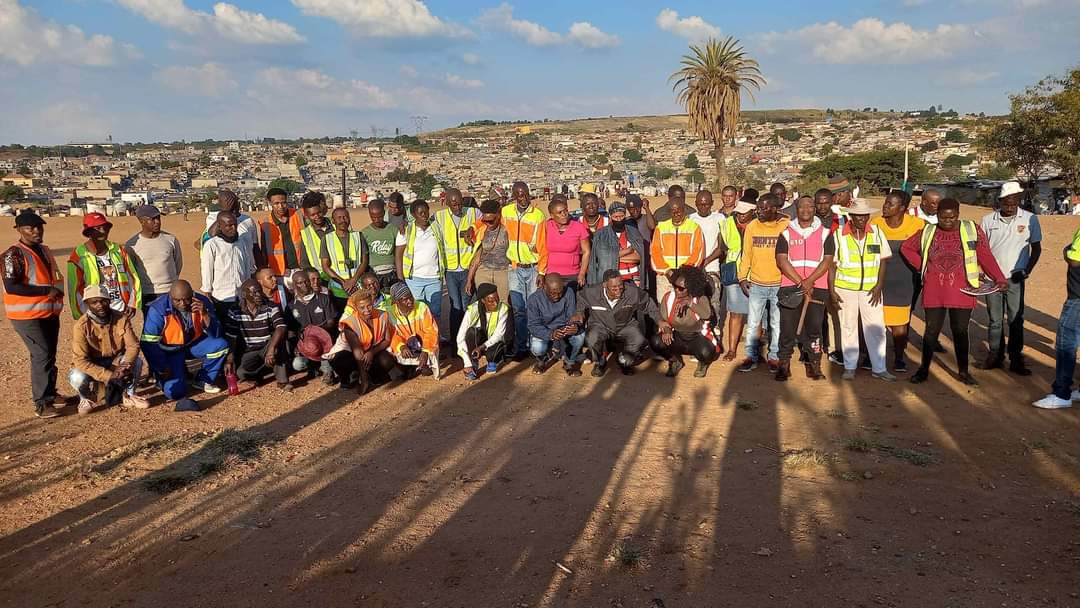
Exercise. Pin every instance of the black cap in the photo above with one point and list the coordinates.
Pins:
(29, 218)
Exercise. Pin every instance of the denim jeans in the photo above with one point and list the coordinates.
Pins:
(430, 291)
(1009, 305)
(570, 347)
(760, 297)
(1065, 345)
(455, 288)
(522, 285)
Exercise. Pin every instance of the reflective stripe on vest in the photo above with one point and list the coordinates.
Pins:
(805, 254)
(459, 253)
(857, 266)
(87, 261)
(344, 263)
(410, 250)
(524, 232)
(367, 335)
(729, 231)
(172, 335)
(969, 238)
(37, 275)
(670, 247)
(313, 239)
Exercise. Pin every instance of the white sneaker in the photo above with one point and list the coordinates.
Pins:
(849, 374)
(1076, 395)
(1052, 402)
(207, 388)
(886, 376)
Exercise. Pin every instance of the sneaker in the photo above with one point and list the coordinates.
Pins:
(1076, 395)
(86, 406)
(470, 374)
(748, 365)
(836, 358)
(866, 365)
(207, 388)
(674, 366)
(702, 369)
(492, 368)
(886, 376)
(774, 365)
(900, 367)
(849, 374)
(1053, 402)
(139, 403)
(598, 370)
(285, 386)
(45, 411)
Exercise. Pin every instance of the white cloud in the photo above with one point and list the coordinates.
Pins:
(590, 37)
(26, 39)
(470, 58)
(874, 41)
(582, 33)
(691, 28)
(463, 83)
(227, 21)
(383, 18)
(409, 71)
(210, 79)
(964, 77)
(315, 88)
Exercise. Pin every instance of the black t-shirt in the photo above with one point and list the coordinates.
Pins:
(1074, 283)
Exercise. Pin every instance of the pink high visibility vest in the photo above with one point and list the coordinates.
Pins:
(805, 254)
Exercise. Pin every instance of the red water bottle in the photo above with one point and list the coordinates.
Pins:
(234, 386)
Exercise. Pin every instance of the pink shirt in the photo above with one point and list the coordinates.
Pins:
(564, 250)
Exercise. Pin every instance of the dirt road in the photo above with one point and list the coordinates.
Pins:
(517, 490)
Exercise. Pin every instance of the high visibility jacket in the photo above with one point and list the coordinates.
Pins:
(371, 333)
(82, 270)
(805, 254)
(344, 258)
(857, 264)
(458, 252)
(729, 233)
(273, 242)
(969, 238)
(312, 238)
(39, 273)
(674, 246)
(419, 322)
(164, 333)
(528, 245)
(410, 251)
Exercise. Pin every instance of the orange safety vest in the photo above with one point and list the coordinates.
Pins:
(273, 245)
(173, 333)
(38, 274)
(368, 336)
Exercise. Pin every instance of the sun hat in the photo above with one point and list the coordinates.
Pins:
(744, 207)
(1010, 188)
(94, 220)
(94, 291)
(860, 207)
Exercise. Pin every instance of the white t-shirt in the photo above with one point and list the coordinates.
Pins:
(1011, 238)
(244, 223)
(425, 252)
(710, 229)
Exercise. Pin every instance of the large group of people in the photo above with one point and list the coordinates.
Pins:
(302, 292)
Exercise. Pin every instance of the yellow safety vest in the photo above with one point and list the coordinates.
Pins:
(459, 253)
(344, 260)
(524, 230)
(410, 249)
(312, 240)
(969, 238)
(857, 266)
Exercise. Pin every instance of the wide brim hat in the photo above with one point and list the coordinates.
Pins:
(744, 207)
(1010, 188)
(860, 207)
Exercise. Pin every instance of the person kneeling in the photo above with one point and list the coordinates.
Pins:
(415, 335)
(485, 331)
(687, 309)
(256, 331)
(550, 329)
(105, 356)
(362, 346)
(609, 311)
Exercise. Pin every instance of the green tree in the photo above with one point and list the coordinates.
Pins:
(691, 162)
(956, 136)
(695, 177)
(615, 176)
(300, 161)
(995, 171)
(710, 85)
(827, 149)
(599, 160)
(788, 134)
(877, 170)
(632, 155)
(660, 173)
(9, 192)
(288, 185)
(957, 160)
(929, 146)
(23, 169)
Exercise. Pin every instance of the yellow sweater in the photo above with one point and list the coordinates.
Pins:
(758, 263)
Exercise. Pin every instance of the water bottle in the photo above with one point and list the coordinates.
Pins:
(234, 386)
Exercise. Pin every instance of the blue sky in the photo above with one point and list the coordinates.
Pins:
(152, 70)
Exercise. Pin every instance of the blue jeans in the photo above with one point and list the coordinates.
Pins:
(430, 291)
(760, 297)
(570, 347)
(1065, 345)
(455, 287)
(522, 285)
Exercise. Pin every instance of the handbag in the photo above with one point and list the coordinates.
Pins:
(729, 273)
(790, 297)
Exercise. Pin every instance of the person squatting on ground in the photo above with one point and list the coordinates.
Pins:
(688, 312)
(104, 355)
(552, 332)
(486, 332)
(361, 355)
(415, 333)
(257, 337)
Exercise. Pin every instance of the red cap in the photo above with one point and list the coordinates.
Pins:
(95, 219)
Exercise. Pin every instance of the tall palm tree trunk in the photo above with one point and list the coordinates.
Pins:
(721, 166)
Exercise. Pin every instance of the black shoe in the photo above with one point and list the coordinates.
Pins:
(748, 365)
(993, 361)
(920, 376)
(674, 366)
(627, 370)
(598, 370)
(702, 369)
(1018, 367)
(900, 366)
(938, 348)
(836, 358)
(42, 410)
(968, 379)
(521, 356)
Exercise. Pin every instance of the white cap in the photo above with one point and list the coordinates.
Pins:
(1010, 188)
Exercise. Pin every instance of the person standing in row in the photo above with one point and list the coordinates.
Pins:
(490, 263)
(677, 242)
(397, 214)
(759, 279)
(567, 245)
(617, 246)
(637, 211)
(454, 226)
(156, 254)
(100, 261)
(228, 201)
(676, 195)
(313, 205)
(927, 208)
(710, 222)
(228, 260)
(342, 259)
(1015, 238)
(804, 255)
(897, 226)
(1067, 339)
(525, 227)
(736, 302)
(281, 236)
(420, 258)
(33, 301)
(379, 240)
(951, 254)
(590, 213)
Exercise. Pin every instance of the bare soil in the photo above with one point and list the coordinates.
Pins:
(518, 490)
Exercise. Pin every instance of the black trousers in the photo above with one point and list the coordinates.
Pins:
(344, 364)
(958, 323)
(811, 336)
(475, 336)
(221, 310)
(40, 337)
(598, 338)
(251, 364)
(684, 343)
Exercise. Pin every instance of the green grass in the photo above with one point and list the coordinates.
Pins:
(746, 404)
(864, 446)
(858, 444)
(221, 451)
(627, 555)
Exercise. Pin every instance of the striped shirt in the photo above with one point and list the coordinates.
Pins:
(256, 329)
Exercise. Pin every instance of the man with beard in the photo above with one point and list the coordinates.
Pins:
(609, 312)
(105, 356)
(618, 246)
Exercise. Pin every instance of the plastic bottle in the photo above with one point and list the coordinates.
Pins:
(234, 385)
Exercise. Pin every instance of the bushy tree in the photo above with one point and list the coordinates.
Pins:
(877, 170)
(691, 162)
(632, 155)
(288, 185)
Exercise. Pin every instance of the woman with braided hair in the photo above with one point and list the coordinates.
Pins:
(686, 307)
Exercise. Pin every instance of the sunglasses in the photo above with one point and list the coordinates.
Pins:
(679, 287)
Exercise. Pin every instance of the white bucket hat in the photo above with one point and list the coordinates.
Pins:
(1010, 188)
(860, 207)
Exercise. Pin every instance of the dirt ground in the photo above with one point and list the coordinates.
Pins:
(517, 490)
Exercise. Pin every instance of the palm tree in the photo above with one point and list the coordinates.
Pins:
(710, 85)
